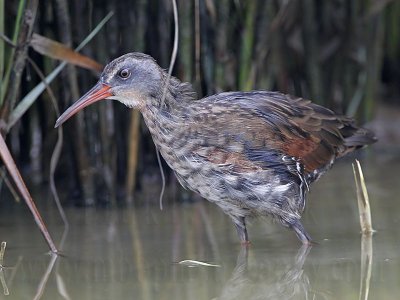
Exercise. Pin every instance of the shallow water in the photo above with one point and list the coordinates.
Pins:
(133, 253)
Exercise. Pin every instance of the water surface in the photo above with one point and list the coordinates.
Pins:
(133, 253)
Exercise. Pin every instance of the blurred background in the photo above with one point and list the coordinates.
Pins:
(339, 53)
(342, 54)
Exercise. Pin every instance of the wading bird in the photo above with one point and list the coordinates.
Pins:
(251, 153)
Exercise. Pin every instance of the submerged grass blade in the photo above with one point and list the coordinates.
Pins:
(2, 250)
(195, 263)
(2, 279)
(19, 182)
(366, 266)
(43, 282)
(3, 283)
(362, 199)
(31, 97)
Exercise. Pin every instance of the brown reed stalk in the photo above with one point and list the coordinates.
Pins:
(362, 199)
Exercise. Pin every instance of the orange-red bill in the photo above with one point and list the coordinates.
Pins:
(98, 92)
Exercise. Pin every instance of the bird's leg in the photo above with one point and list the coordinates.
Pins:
(240, 225)
(301, 233)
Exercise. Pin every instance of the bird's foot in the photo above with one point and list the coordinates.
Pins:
(245, 243)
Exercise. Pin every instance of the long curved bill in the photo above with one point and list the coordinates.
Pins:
(98, 92)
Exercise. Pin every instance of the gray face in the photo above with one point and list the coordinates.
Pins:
(134, 78)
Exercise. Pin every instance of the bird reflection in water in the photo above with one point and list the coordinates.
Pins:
(266, 281)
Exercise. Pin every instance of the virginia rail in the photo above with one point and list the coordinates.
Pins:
(251, 153)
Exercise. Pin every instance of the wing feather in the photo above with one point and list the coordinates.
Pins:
(270, 123)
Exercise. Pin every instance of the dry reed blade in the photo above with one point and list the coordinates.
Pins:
(246, 51)
(33, 94)
(134, 122)
(18, 64)
(196, 263)
(197, 42)
(362, 199)
(19, 182)
(56, 50)
(7, 68)
(134, 137)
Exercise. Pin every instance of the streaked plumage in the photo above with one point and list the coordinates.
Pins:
(251, 153)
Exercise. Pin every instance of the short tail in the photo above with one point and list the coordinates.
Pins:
(355, 137)
(360, 138)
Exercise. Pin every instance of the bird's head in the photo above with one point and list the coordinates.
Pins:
(133, 79)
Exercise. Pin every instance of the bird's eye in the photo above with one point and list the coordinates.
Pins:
(124, 73)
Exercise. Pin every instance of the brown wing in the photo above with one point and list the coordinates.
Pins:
(255, 129)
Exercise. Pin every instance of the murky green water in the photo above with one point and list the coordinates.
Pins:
(133, 253)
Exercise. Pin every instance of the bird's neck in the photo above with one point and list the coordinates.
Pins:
(172, 95)
(166, 112)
